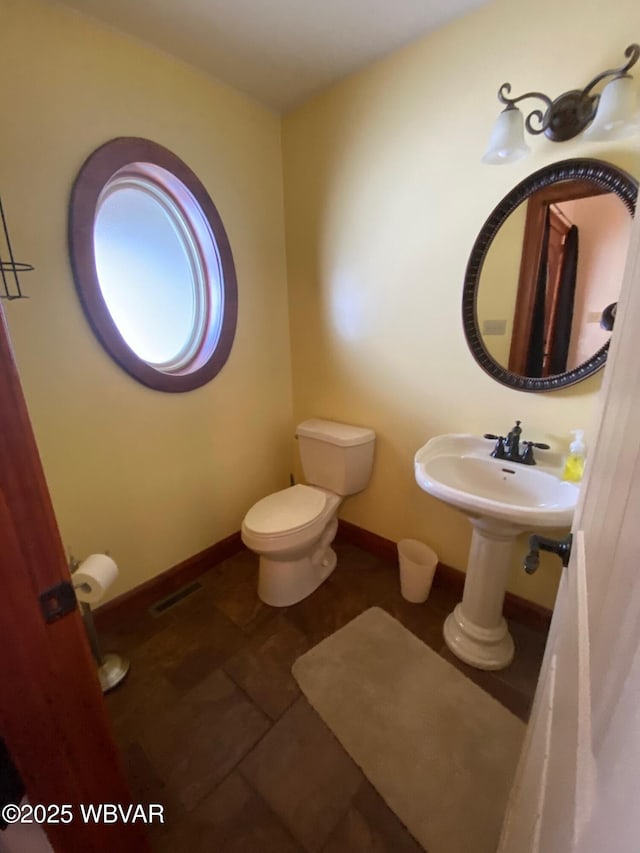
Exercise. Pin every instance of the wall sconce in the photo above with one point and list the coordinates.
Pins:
(9, 269)
(610, 115)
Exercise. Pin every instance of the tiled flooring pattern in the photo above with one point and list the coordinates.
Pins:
(211, 723)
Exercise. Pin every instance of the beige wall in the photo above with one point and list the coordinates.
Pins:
(152, 477)
(384, 195)
(603, 236)
(498, 287)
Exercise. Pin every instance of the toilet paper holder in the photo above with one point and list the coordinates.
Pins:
(112, 668)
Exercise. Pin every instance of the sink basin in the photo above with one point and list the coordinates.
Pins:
(501, 499)
(459, 470)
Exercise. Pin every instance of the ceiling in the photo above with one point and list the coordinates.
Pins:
(277, 51)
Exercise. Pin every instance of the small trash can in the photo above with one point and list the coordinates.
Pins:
(417, 567)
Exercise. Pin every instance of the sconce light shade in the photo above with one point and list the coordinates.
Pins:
(617, 116)
(506, 143)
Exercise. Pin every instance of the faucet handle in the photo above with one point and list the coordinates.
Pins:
(498, 451)
(527, 456)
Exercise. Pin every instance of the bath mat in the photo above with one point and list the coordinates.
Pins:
(439, 750)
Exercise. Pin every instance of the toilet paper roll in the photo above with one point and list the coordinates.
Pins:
(93, 577)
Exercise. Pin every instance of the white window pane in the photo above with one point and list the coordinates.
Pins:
(145, 273)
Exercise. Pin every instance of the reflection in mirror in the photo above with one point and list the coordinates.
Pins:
(586, 246)
(545, 273)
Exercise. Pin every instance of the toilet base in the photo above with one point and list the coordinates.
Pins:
(282, 583)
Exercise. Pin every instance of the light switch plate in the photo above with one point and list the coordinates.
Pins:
(494, 327)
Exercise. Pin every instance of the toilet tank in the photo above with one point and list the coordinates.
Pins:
(335, 456)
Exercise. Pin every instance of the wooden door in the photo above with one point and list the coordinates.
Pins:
(52, 713)
(537, 206)
(576, 787)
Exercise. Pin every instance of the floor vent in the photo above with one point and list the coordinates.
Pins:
(170, 601)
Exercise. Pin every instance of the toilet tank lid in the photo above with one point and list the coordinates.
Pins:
(333, 432)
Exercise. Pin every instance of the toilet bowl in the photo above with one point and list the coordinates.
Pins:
(292, 530)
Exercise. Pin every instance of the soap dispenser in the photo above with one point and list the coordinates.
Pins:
(574, 463)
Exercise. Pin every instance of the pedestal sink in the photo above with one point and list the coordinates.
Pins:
(501, 499)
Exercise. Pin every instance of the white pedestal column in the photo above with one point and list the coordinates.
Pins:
(476, 631)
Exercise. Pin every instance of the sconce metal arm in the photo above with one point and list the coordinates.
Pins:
(504, 90)
(538, 115)
(633, 52)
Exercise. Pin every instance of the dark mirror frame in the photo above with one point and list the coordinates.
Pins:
(603, 175)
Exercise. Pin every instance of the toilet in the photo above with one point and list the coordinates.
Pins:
(292, 530)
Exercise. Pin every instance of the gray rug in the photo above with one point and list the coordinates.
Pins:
(440, 751)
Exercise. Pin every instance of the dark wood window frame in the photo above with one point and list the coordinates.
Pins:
(142, 157)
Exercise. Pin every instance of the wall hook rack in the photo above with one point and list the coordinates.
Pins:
(9, 269)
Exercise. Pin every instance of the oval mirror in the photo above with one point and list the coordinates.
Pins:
(544, 275)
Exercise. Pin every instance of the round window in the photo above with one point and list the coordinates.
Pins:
(152, 265)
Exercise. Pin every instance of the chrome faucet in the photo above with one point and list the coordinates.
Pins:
(512, 448)
(512, 442)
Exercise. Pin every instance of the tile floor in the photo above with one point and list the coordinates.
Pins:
(211, 723)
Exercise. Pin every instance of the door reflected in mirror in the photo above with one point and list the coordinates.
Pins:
(545, 273)
(539, 312)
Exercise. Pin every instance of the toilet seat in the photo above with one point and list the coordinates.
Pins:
(287, 511)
